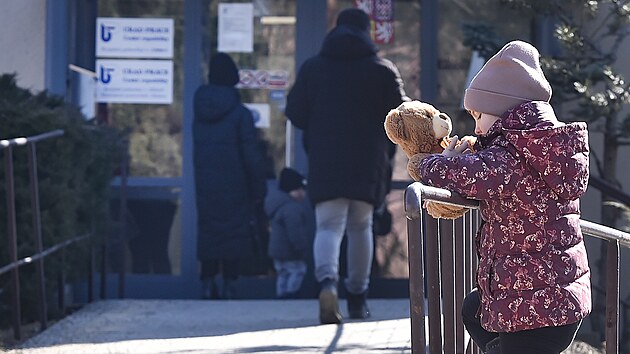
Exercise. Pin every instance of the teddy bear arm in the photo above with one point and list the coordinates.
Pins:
(413, 166)
(445, 211)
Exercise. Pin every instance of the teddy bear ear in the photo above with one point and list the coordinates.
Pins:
(394, 126)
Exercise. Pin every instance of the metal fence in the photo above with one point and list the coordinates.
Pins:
(449, 268)
(38, 258)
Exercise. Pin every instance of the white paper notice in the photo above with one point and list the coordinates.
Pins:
(236, 27)
(134, 81)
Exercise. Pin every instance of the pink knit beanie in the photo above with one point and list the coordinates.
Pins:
(511, 77)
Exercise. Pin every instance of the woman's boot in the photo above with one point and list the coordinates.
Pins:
(209, 289)
(329, 303)
(357, 305)
(229, 289)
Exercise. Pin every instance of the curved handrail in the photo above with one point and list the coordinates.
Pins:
(5, 143)
(417, 192)
(43, 254)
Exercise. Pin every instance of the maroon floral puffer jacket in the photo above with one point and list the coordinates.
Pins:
(528, 173)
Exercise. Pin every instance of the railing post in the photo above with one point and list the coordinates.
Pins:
(460, 235)
(434, 284)
(90, 275)
(416, 271)
(468, 264)
(61, 283)
(612, 298)
(12, 242)
(122, 236)
(447, 251)
(37, 228)
(103, 286)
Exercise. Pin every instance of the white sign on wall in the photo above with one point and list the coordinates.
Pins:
(236, 27)
(134, 81)
(134, 37)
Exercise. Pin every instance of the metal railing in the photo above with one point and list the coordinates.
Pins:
(450, 266)
(38, 258)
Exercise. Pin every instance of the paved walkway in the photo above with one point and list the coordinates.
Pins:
(240, 326)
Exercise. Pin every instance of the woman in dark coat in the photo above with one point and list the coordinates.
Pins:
(229, 176)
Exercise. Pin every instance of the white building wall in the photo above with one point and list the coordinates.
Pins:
(23, 41)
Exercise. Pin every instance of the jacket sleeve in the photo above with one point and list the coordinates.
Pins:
(488, 174)
(253, 161)
(297, 102)
(200, 104)
(394, 87)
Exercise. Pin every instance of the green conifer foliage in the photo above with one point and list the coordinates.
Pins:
(74, 173)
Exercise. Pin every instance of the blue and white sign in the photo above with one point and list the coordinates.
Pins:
(262, 114)
(134, 81)
(134, 37)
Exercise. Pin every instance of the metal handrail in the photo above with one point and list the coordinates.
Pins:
(7, 146)
(438, 297)
(5, 143)
(41, 255)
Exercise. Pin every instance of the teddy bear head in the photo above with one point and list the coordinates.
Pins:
(418, 127)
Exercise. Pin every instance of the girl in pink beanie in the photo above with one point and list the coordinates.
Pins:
(528, 172)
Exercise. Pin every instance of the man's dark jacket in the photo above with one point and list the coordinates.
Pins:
(340, 99)
(229, 173)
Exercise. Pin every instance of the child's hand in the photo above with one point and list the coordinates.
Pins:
(453, 149)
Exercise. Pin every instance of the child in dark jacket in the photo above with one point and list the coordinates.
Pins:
(288, 239)
(528, 172)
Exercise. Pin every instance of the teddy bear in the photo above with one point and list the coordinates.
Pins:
(420, 130)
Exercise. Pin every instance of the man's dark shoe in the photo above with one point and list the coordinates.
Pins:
(329, 303)
(357, 305)
(229, 289)
(210, 290)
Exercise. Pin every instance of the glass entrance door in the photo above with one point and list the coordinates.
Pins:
(146, 241)
(157, 251)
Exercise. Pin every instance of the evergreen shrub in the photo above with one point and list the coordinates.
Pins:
(74, 173)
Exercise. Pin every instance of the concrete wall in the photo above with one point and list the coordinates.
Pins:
(23, 41)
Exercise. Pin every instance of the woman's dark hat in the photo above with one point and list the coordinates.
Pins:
(290, 179)
(354, 17)
(223, 70)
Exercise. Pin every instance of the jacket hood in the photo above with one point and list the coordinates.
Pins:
(275, 199)
(558, 152)
(348, 42)
(213, 102)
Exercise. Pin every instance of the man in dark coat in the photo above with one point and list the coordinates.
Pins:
(229, 176)
(340, 99)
